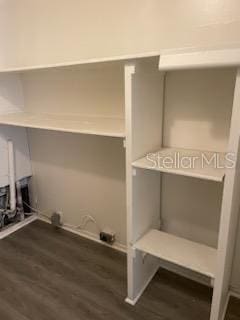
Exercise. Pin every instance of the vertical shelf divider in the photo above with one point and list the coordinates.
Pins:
(144, 107)
(229, 217)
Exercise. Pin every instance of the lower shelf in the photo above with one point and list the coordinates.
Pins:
(188, 254)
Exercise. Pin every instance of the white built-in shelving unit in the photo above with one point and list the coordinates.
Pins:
(165, 106)
(188, 107)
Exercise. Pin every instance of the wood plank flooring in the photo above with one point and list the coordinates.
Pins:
(54, 275)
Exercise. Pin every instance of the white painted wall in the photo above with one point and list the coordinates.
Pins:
(78, 175)
(93, 90)
(199, 103)
(73, 173)
(39, 32)
(43, 31)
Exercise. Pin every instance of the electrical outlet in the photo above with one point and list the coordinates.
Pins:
(60, 213)
(107, 236)
(56, 219)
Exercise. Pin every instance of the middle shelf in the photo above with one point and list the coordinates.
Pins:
(104, 126)
(193, 163)
(185, 253)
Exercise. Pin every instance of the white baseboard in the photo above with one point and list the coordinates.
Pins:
(88, 235)
(13, 228)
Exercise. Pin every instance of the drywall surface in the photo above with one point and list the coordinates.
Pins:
(43, 31)
(201, 103)
(190, 208)
(80, 175)
(92, 90)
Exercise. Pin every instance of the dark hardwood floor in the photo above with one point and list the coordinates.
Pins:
(54, 275)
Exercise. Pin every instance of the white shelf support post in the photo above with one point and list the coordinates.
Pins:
(143, 103)
(229, 217)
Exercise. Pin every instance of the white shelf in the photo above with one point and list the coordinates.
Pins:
(200, 59)
(113, 127)
(188, 254)
(109, 59)
(207, 171)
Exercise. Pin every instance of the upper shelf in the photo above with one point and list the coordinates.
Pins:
(123, 58)
(181, 162)
(169, 60)
(112, 127)
(200, 59)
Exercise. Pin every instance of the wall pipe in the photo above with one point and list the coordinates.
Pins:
(11, 172)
